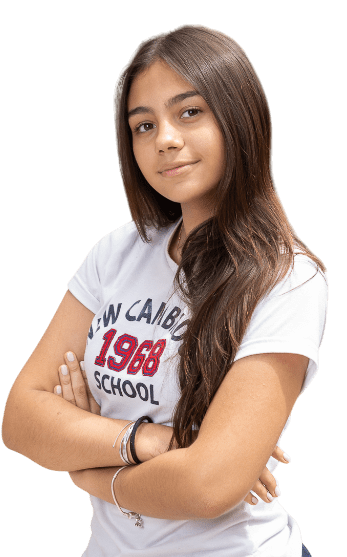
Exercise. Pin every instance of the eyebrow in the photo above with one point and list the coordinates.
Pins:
(171, 102)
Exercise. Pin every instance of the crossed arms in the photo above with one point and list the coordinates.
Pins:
(238, 434)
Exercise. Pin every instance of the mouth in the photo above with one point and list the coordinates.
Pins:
(178, 170)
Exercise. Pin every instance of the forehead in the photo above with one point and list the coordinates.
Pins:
(156, 84)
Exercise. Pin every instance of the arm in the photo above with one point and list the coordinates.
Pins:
(46, 428)
(236, 439)
(75, 389)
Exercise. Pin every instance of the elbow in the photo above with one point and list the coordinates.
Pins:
(215, 489)
(12, 424)
(10, 431)
(16, 435)
(8, 442)
(213, 494)
(7, 437)
(210, 500)
(208, 505)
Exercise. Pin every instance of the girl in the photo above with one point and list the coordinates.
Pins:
(203, 318)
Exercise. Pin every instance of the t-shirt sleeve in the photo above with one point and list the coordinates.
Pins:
(92, 281)
(85, 284)
(291, 319)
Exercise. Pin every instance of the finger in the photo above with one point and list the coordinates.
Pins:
(77, 381)
(94, 407)
(65, 382)
(262, 492)
(251, 499)
(58, 391)
(280, 455)
(271, 485)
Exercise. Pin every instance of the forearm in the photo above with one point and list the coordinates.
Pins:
(163, 487)
(60, 436)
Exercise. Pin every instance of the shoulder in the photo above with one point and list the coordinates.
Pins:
(125, 238)
(123, 248)
(119, 239)
(304, 275)
(292, 317)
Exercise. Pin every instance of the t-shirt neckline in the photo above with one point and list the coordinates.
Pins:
(172, 264)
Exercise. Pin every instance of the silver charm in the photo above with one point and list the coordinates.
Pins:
(130, 514)
(138, 518)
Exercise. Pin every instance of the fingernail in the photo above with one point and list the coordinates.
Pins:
(286, 457)
(58, 390)
(70, 356)
(254, 500)
(82, 365)
(278, 491)
(269, 496)
(64, 369)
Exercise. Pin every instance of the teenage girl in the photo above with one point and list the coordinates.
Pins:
(187, 334)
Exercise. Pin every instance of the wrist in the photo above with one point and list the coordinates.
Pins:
(152, 440)
(144, 443)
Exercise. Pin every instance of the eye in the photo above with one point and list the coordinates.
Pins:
(197, 110)
(137, 129)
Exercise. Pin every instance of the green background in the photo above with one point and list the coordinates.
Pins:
(62, 192)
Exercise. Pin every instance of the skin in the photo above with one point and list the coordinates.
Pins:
(245, 418)
(186, 131)
(74, 388)
(82, 440)
(163, 134)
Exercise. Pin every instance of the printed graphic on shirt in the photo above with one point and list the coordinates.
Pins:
(170, 322)
(121, 351)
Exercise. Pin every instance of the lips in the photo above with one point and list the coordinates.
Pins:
(176, 165)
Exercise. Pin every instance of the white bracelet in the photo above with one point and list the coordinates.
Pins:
(123, 445)
(114, 444)
(125, 460)
(131, 514)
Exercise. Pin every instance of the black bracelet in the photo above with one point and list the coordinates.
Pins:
(132, 436)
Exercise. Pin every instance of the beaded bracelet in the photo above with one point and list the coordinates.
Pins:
(131, 514)
(132, 436)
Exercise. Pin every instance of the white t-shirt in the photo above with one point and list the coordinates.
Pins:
(130, 364)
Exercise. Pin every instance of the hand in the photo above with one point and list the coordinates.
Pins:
(74, 385)
(268, 480)
(151, 439)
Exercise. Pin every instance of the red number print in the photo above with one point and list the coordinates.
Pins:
(121, 350)
(139, 358)
(101, 359)
(150, 367)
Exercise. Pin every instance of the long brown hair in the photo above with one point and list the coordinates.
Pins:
(232, 260)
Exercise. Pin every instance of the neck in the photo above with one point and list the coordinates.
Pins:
(192, 218)
(181, 235)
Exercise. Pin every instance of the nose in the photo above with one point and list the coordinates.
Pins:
(168, 137)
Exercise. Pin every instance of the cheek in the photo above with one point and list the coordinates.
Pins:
(214, 150)
(142, 159)
(210, 142)
(137, 155)
(220, 150)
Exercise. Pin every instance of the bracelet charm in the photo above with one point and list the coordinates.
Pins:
(130, 514)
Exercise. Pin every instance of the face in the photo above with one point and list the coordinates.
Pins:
(176, 140)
